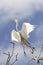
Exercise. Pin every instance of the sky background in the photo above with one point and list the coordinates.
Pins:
(25, 11)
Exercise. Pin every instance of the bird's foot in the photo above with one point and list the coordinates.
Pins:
(24, 53)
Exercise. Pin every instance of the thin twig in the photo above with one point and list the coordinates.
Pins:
(15, 60)
(9, 56)
(12, 49)
(40, 51)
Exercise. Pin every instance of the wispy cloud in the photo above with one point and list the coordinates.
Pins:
(10, 9)
(19, 8)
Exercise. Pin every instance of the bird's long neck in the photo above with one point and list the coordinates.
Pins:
(16, 27)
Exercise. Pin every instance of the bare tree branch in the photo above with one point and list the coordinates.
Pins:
(37, 59)
(38, 63)
(12, 49)
(41, 58)
(9, 56)
(5, 53)
(15, 60)
(8, 59)
(40, 51)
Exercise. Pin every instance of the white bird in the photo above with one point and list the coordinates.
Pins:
(22, 35)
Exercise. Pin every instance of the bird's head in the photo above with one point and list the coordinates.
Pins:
(15, 21)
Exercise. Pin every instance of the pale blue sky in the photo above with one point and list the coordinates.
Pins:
(24, 11)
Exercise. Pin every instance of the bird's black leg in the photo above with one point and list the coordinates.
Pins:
(24, 50)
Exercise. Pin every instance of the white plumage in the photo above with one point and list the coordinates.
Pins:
(26, 29)
(22, 35)
(15, 36)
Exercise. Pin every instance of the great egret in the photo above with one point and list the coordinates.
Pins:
(22, 35)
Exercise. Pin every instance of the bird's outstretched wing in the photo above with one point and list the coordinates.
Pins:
(26, 29)
(15, 36)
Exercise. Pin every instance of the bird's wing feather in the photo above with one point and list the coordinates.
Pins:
(15, 36)
(26, 29)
